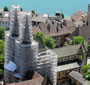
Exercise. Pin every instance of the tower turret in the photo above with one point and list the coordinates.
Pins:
(14, 24)
(27, 36)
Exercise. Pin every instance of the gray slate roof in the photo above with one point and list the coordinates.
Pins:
(67, 51)
(77, 76)
(68, 66)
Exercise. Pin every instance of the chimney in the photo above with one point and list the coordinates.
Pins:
(89, 47)
(57, 28)
(61, 25)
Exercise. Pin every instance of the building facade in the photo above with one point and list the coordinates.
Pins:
(4, 19)
(70, 58)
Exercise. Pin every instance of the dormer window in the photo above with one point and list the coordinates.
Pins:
(61, 25)
(48, 27)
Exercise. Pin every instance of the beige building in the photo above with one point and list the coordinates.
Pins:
(69, 58)
(4, 19)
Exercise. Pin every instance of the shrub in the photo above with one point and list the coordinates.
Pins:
(6, 8)
(48, 41)
(2, 33)
(62, 15)
(33, 11)
(65, 44)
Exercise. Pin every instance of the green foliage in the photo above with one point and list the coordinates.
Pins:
(41, 36)
(88, 82)
(86, 71)
(21, 9)
(33, 11)
(62, 15)
(65, 44)
(85, 68)
(87, 76)
(1, 56)
(1, 72)
(6, 8)
(86, 45)
(78, 39)
(2, 33)
(48, 41)
(70, 42)
(1, 47)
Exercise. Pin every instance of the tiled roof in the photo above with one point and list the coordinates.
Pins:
(67, 51)
(35, 29)
(85, 32)
(54, 30)
(77, 16)
(77, 76)
(36, 80)
(39, 18)
(68, 66)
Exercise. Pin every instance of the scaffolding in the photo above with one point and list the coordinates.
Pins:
(21, 49)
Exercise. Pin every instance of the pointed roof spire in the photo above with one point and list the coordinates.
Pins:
(27, 36)
(14, 24)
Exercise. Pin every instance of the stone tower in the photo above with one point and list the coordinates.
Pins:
(10, 38)
(27, 48)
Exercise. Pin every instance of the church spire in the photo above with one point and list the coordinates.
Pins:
(14, 24)
(27, 36)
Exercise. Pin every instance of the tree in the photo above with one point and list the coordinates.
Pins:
(21, 9)
(1, 47)
(79, 40)
(33, 11)
(1, 57)
(6, 8)
(65, 44)
(62, 15)
(86, 71)
(48, 41)
(41, 36)
(2, 33)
